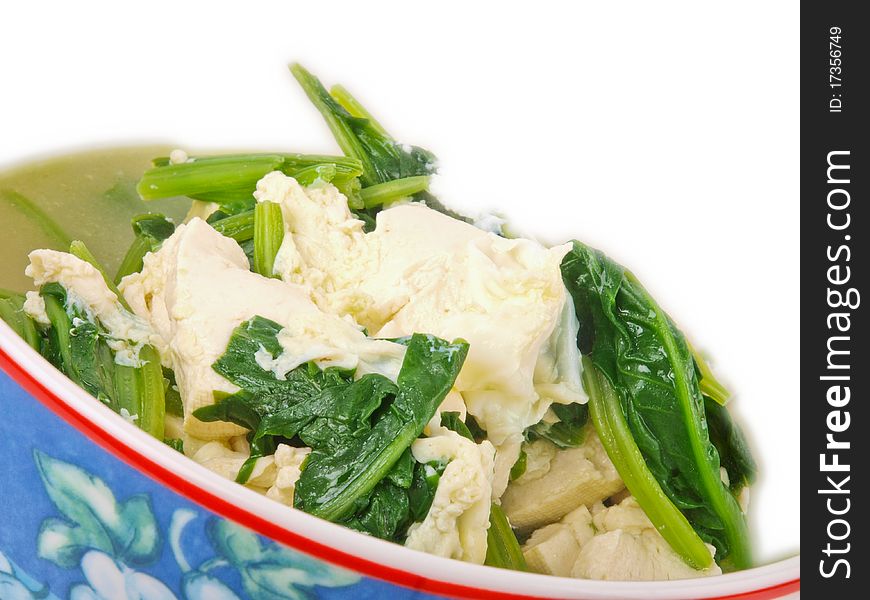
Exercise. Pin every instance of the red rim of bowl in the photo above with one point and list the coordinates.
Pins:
(221, 506)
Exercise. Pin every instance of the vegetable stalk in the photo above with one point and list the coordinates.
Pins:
(240, 227)
(268, 235)
(11, 311)
(606, 413)
(212, 178)
(502, 548)
(384, 193)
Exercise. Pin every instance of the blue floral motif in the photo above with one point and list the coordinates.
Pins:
(78, 523)
(93, 519)
(111, 542)
(109, 579)
(17, 585)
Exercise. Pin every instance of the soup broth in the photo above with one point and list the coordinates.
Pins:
(89, 196)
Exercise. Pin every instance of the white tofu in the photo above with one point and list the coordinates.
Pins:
(288, 460)
(617, 543)
(86, 289)
(197, 289)
(572, 477)
(627, 547)
(456, 524)
(421, 271)
(226, 462)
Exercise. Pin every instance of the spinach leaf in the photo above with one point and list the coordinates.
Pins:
(568, 431)
(175, 443)
(643, 357)
(386, 514)
(79, 346)
(150, 231)
(453, 422)
(338, 412)
(361, 471)
(519, 467)
(390, 170)
(263, 395)
(423, 488)
(332, 481)
(172, 397)
(12, 311)
(731, 445)
(502, 548)
(362, 138)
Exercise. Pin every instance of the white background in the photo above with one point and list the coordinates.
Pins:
(664, 133)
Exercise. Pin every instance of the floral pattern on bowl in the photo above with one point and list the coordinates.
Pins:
(80, 524)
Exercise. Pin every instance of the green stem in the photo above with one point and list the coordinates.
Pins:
(234, 177)
(310, 175)
(11, 312)
(77, 248)
(60, 328)
(152, 404)
(382, 193)
(615, 436)
(710, 386)
(502, 548)
(132, 262)
(125, 380)
(268, 235)
(206, 175)
(240, 227)
(343, 503)
(37, 215)
(150, 230)
(330, 110)
(353, 106)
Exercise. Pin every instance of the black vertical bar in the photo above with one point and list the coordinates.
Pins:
(834, 370)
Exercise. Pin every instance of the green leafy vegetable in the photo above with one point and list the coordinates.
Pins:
(709, 385)
(230, 180)
(80, 348)
(568, 431)
(35, 214)
(382, 158)
(385, 514)
(172, 397)
(268, 235)
(12, 311)
(333, 481)
(175, 443)
(240, 226)
(360, 430)
(615, 435)
(452, 421)
(150, 231)
(519, 467)
(337, 413)
(384, 193)
(644, 395)
(502, 548)
(731, 445)
(423, 488)
(477, 432)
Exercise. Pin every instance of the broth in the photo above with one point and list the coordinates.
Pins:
(89, 196)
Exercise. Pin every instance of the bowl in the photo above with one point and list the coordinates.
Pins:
(93, 508)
